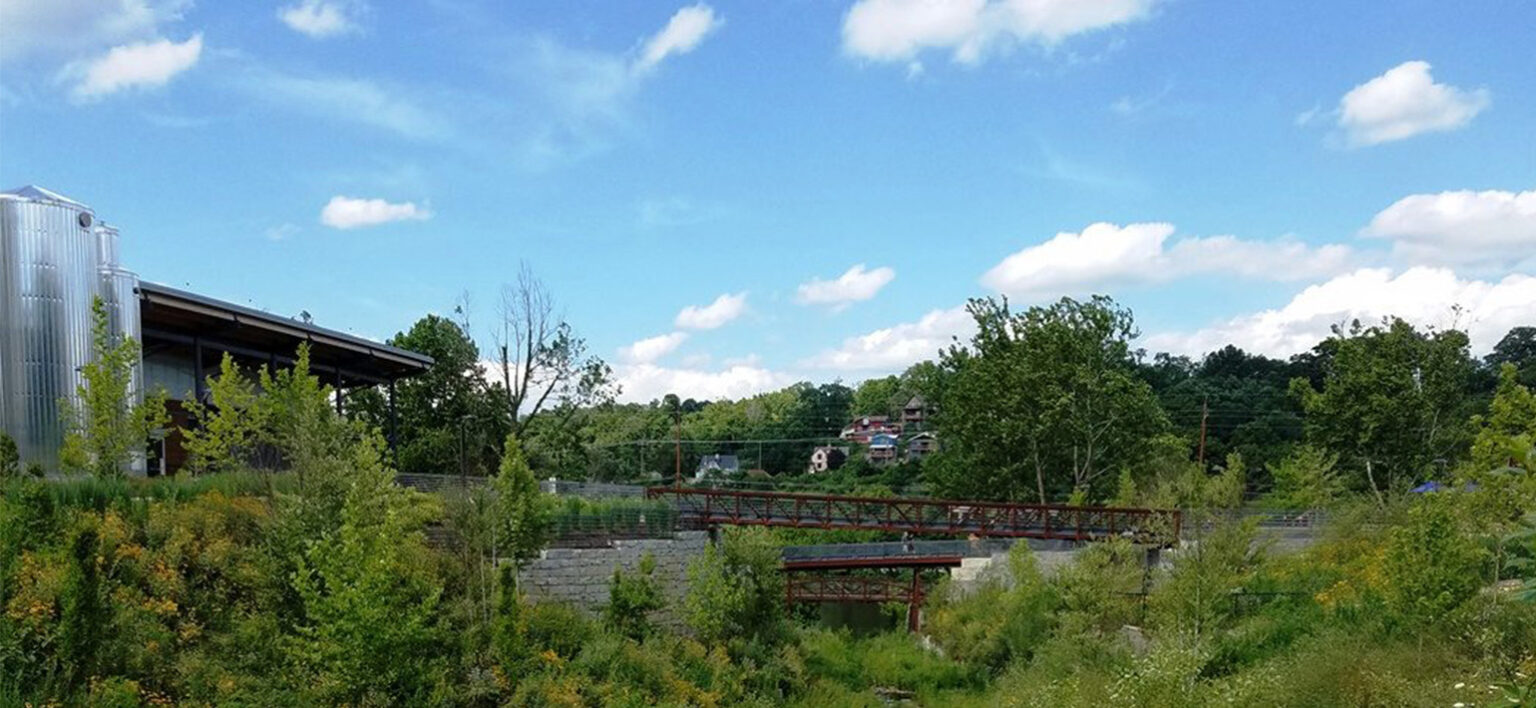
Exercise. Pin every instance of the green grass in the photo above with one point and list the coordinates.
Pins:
(100, 494)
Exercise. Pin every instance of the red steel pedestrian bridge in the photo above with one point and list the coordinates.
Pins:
(702, 508)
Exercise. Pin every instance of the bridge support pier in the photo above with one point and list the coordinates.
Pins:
(915, 603)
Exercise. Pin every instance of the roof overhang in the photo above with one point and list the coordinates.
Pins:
(178, 317)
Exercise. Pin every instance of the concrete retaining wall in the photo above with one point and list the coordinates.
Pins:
(581, 576)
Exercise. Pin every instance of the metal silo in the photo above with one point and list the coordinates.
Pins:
(119, 287)
(51, 268)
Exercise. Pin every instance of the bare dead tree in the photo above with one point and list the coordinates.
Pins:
(543, 364)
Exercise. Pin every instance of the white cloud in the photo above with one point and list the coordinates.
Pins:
(1405, 102)
(1424, 296)
(141, 65)
(650, 349)
(854, 285)
(648, 382)
(1490, 228)
(899, 30)
(725, 308)
(320, 18)
(1104, 255)
(683, 33)
(67, 27)
(351, 213)
(894, 348)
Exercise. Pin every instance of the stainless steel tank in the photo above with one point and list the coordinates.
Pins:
(52, 266)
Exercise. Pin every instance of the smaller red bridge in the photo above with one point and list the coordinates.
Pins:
(729, 507)
(818, 587)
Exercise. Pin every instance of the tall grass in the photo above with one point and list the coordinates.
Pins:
(96, 494)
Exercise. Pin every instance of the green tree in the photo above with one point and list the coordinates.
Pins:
(1506, 436)
(631, 600)
(1000, 623)
(1195, 596)
(1431, 565)
(446, 419)
(302, 426)
(1046, 401)
(736, 589)
(369, 632)
(1238, 400)
(1394, 402)
(877, 396)
(1305, 479)
(1518, 348)
(819, 411)
(229, 426)
(523, 514)
(112, 423)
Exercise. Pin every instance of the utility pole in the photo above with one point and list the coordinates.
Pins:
(1204, 412)
(677, 447)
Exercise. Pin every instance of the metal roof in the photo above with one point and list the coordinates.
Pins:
(40, 194)
(157, 295)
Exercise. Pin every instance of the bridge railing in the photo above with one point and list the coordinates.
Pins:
(917, 515)
(977, 548)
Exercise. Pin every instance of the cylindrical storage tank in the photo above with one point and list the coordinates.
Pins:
(120, 293)
(106, 246)
(48, 278)
(119, 290)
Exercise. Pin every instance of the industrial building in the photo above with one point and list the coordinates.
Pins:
(57, 257)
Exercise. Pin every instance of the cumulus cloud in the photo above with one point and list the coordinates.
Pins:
(642, 383)
(899, 30)
(67, 27)
(1424, 296)
(320, 18)
(351, 213)
(1104, 255)
(1405, 102)
(855, 285)
(652, 348)
(894, 348)
(141, 65)
(1489, 228)
(683, 33)
(725, 308)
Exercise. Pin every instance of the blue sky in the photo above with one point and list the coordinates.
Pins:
(1244, 172)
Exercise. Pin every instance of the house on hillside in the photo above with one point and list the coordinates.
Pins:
(921, 445)
(716, 466)
(861, 430)
(826, 458)
(882, 449)
(915, 413)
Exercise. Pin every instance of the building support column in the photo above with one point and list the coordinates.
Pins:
(339, 410)
(197, 370)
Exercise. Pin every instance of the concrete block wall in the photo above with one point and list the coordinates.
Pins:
(581, 576)
(975, 573)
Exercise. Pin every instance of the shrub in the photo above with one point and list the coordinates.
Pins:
(1430, 566)
(631, 600)
(736, 590)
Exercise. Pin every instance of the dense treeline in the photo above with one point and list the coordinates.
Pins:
(1048, 404)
